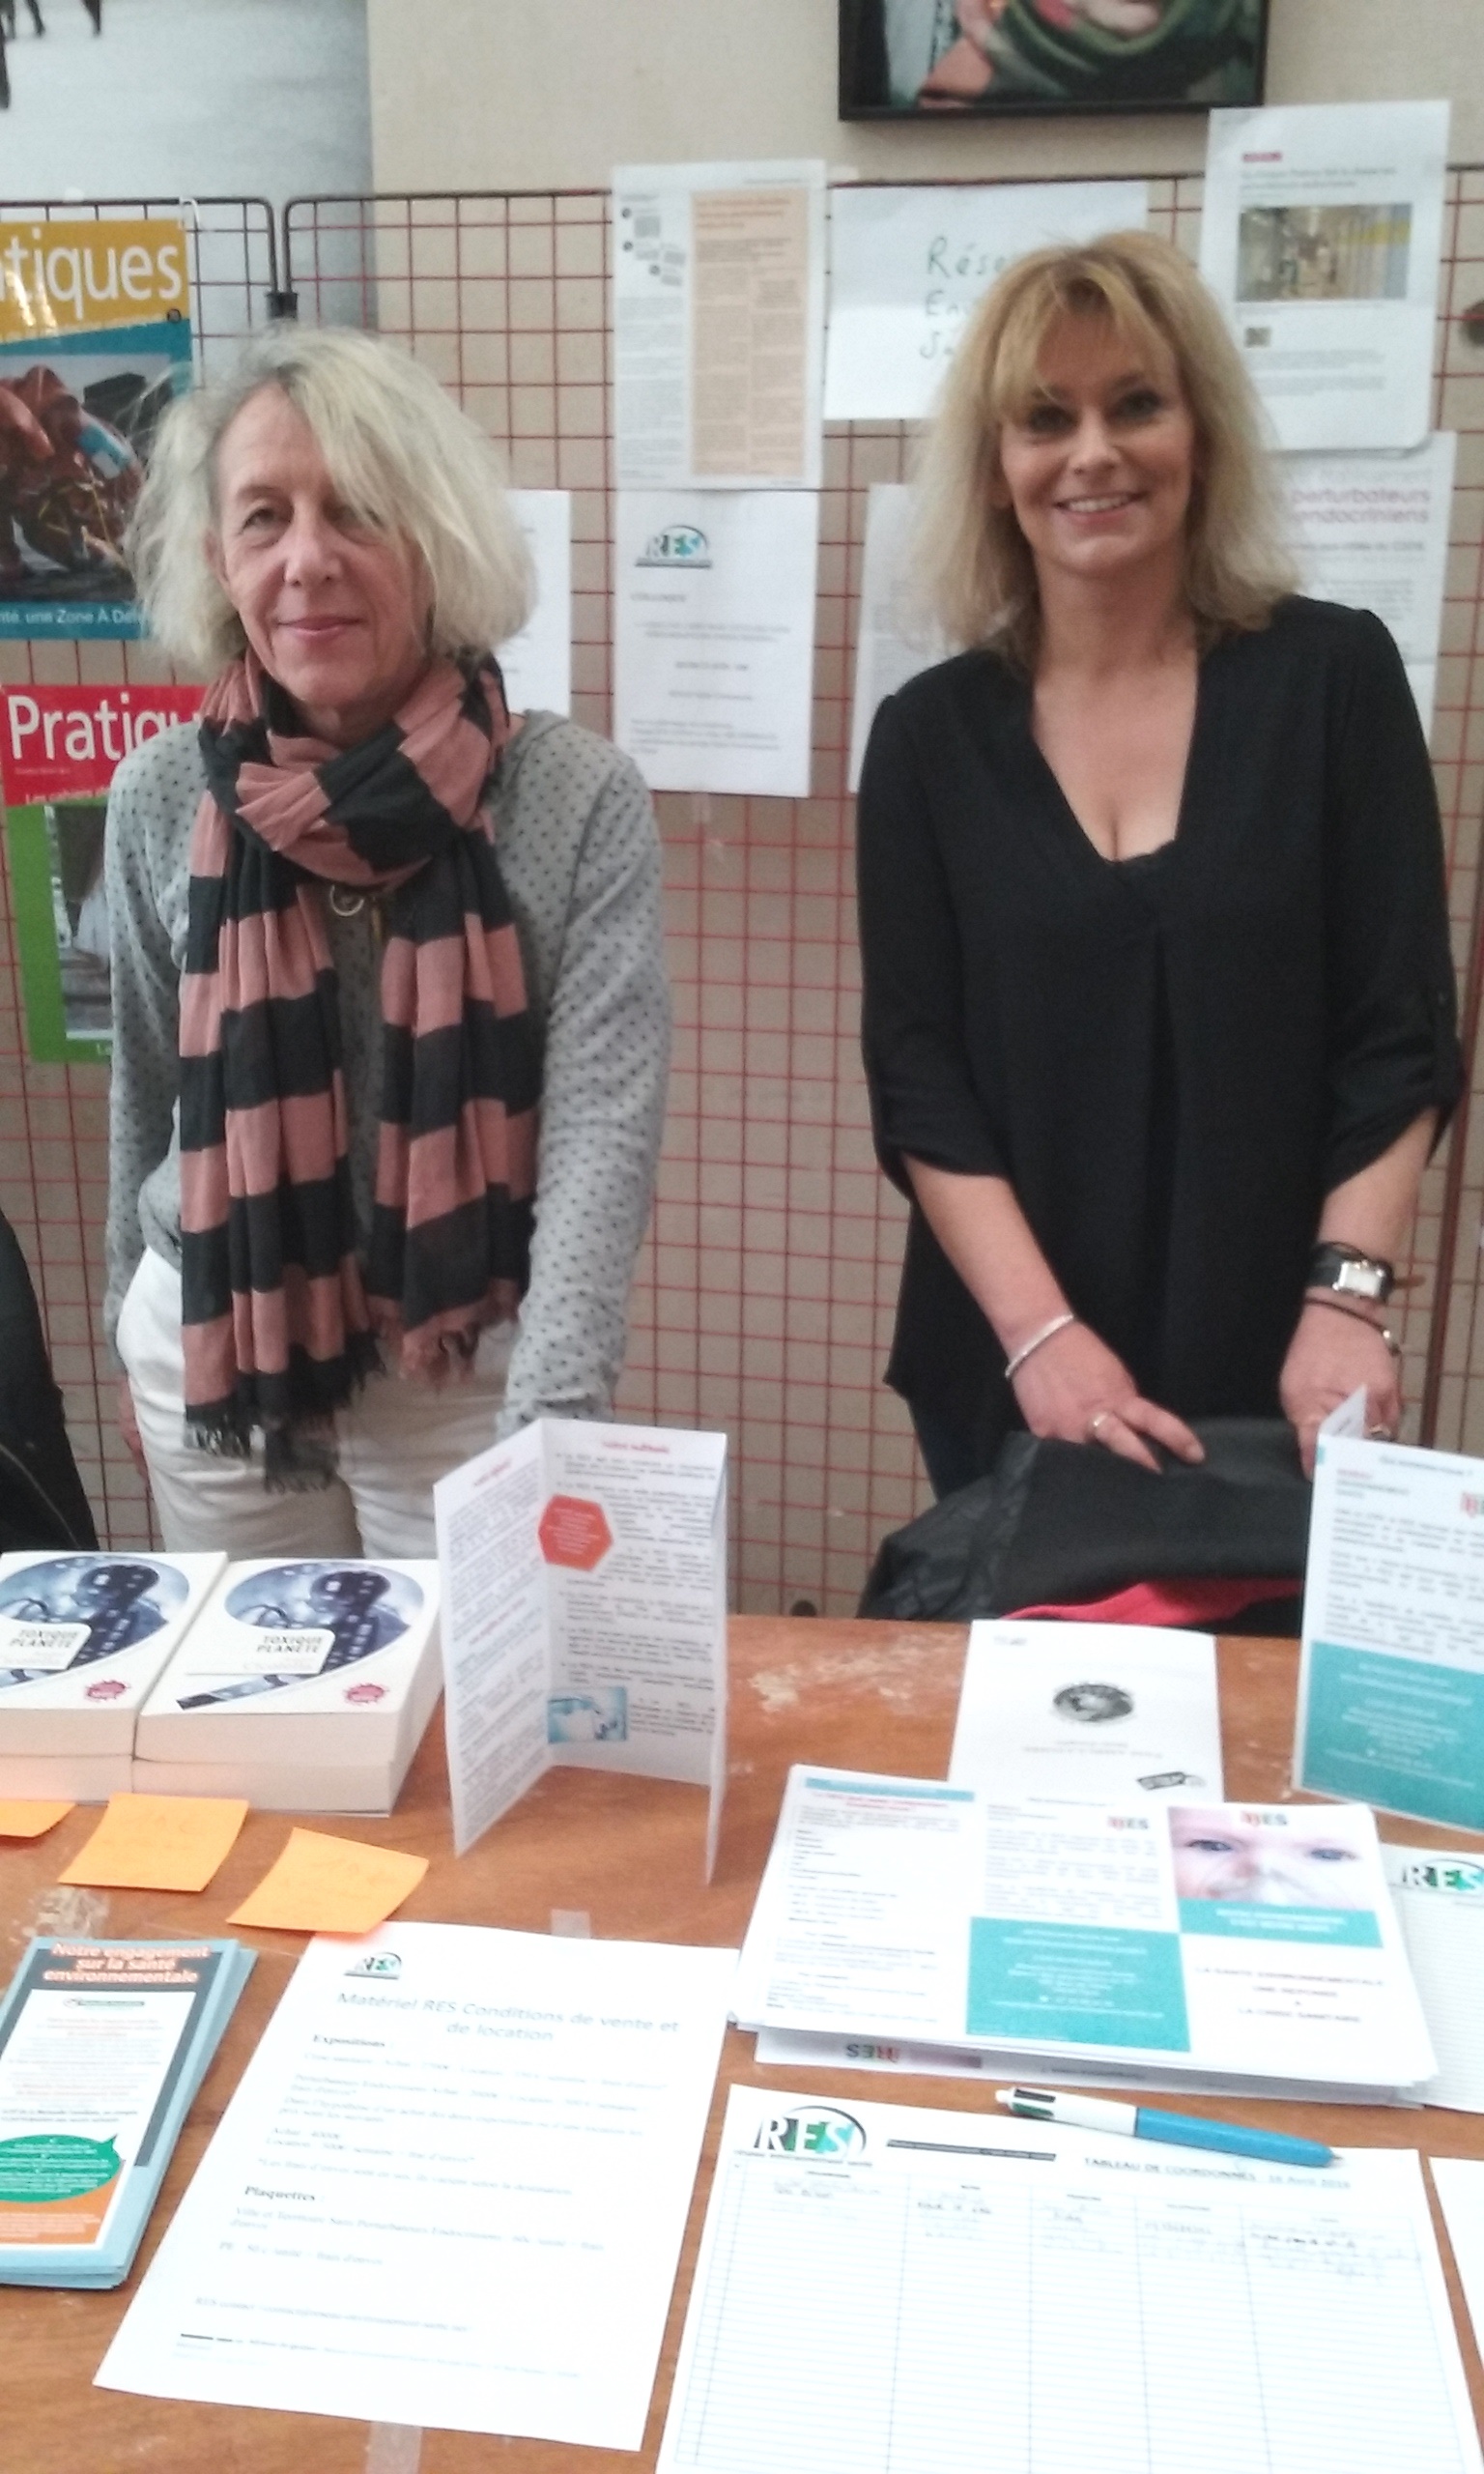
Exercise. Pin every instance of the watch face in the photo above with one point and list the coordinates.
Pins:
(1362, 1280)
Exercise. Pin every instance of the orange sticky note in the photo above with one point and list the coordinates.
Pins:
(323, 1885)
(158, 1843)
(26, 1817)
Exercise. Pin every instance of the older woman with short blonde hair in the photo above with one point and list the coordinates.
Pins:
(1159, 1003)
(390, 1024)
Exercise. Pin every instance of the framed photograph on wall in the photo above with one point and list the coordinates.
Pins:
(915, 59)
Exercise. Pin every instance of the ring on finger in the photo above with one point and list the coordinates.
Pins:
(1380, 1434)
(1097, 1422)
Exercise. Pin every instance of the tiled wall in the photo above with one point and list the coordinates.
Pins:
(764, 1293)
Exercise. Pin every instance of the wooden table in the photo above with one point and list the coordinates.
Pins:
(625, 1854)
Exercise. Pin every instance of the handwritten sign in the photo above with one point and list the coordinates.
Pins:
(907, 267)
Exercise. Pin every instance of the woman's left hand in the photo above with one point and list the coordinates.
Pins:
(1329, 1356)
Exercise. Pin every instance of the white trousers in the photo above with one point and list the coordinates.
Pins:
(392, 1443)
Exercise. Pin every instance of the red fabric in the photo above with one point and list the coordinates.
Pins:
(1174, 1602)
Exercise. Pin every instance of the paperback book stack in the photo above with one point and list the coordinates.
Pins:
(1234, 1948)
(83, 1637)
(102, 2047)
(304, 1685)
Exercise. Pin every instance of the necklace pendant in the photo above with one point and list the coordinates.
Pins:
(345, 902)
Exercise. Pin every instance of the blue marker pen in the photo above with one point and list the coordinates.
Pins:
(1140, 2122)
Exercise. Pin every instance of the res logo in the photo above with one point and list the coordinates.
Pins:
(382, 1963)
(823, 2131)
(676, 545)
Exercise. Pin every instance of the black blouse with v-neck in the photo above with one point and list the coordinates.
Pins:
(1172, 1059)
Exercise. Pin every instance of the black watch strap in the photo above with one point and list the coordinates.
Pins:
(1350, 1272)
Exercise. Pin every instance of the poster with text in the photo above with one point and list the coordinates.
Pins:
(94, 339)
(58, 750)
(719, 324)
(713, 651)
(1320, 236)
(1372, 532)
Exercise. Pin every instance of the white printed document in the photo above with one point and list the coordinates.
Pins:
(1438, 1896)
(585, 1612)
(927, 2292)
(1320, 237)
(896, 639)
(908, 265)
(718, 325)
(1221, 1945)
(537, 663)
(1372, 532)
(1458, 2182)
(1391, 1673)
(450, 2190)
(714, 639)
(1088, 1714)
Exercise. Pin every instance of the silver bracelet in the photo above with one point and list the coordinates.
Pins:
(1036, 1340)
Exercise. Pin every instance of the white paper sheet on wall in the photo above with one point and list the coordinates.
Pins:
(907, 265)
(1372, 532)
(1320, 236)
(537, 663)
(897, 638)
(719, 324)
(714, 637)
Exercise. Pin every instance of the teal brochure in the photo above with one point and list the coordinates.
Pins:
(103, 2048)
(1391, 1680)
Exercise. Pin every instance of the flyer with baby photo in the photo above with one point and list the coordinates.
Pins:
(1223, 1944)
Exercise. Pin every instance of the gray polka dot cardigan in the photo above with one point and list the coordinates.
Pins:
(581, 858)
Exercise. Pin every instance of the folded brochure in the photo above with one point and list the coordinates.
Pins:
(1228, 1947)
(103, 2048)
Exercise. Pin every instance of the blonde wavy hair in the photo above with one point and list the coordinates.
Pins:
(974, 567)
(402, 455)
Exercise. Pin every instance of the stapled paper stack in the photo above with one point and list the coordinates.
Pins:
(102, 2047)
(303, 1685)
(83, 1637)
(1233, 1947)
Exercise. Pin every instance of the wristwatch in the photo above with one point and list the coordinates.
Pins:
(1350, 1272)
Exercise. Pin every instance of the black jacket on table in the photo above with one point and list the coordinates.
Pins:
(1173, 1059)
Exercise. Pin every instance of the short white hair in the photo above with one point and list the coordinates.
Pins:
(401, 454)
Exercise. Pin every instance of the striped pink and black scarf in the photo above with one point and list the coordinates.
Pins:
(281, 1323)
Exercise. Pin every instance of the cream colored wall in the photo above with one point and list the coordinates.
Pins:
(530, 94)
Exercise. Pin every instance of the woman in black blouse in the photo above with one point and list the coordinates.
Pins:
(1158, 1004)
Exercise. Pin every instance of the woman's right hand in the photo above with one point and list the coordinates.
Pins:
(1076, 1389)
(128, 1426)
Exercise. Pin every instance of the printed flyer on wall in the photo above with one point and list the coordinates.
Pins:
(718, 325)
(94, 339)
(1391, 1679)
(58, 750)
(1320, 237)
(1372, 532)
(1216, 1944)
